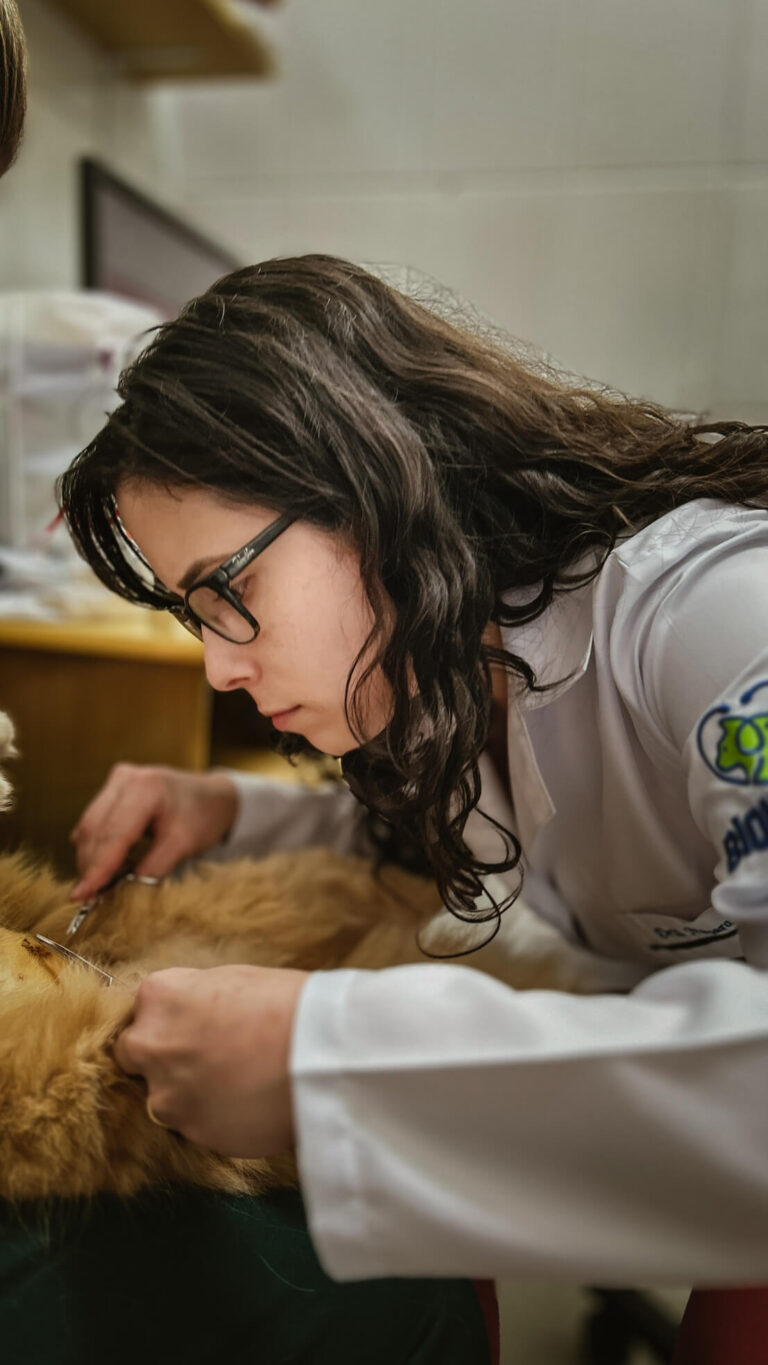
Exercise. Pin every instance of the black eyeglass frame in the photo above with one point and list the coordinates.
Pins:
(219, 579)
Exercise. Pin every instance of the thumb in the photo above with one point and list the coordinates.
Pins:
(125, 1055)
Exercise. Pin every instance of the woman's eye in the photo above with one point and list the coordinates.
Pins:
(239, 588)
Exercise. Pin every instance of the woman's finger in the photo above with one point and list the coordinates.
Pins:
(170, 847)
(105, 851)
(120, 778)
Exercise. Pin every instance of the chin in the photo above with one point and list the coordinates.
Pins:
(334, 747)
(327, 739)
(327, 730)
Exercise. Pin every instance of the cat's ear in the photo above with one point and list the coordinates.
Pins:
(7, 750)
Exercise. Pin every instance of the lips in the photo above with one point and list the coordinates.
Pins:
(281, 719)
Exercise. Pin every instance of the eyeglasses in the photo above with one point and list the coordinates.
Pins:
(211, 602)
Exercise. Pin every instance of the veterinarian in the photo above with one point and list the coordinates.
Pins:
(532, 618)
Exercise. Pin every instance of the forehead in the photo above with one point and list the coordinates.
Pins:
(175, 527)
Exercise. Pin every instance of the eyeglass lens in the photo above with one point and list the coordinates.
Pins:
(180, 615)
(215, 611)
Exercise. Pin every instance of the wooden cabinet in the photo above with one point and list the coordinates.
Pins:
(85, 695)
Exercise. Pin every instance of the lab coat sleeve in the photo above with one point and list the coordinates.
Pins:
(450, 1125)
(274, 816)
(704, 672)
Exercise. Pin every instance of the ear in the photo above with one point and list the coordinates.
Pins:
(7, 750)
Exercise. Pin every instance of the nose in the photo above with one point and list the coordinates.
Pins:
(228, 666)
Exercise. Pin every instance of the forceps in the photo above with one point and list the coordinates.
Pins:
(123, 874)
(75, 957)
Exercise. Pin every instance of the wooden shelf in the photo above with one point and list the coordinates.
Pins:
(123, 633)
(85, 695)
(162, 39)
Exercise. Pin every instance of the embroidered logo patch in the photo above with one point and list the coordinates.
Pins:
(746, 834)
(734, 744)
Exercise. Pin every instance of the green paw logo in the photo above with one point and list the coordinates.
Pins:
(734, 746)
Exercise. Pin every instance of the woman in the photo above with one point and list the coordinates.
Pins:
(373, 519)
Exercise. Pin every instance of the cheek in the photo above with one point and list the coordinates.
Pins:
(331, 615)
(343, 637)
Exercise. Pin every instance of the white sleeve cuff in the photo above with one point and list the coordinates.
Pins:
(274, 815)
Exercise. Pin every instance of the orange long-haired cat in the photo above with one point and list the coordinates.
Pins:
(72, 1123)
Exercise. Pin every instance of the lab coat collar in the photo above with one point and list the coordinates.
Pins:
(557, 646)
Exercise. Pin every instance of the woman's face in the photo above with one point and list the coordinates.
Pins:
(305, 591)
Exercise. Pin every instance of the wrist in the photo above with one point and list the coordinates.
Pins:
(223, 790)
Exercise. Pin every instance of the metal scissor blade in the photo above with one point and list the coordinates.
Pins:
(78, 917)
(87, 906)
(75, 957)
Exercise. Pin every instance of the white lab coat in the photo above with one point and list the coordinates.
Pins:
(449, 1125)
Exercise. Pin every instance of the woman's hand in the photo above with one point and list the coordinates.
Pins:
(183, 813)
(213, 1046)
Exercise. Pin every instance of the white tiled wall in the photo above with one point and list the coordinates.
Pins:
(442, 86)
(74, 102)
(592, 175)
(37, 200)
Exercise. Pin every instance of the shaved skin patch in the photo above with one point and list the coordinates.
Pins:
(43, 955)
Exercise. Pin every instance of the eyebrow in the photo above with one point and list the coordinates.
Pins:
(198, 569)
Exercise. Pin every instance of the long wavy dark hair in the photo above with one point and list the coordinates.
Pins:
(458, 471)
(13, 82)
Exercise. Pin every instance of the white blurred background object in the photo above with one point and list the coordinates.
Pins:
(61, 352)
